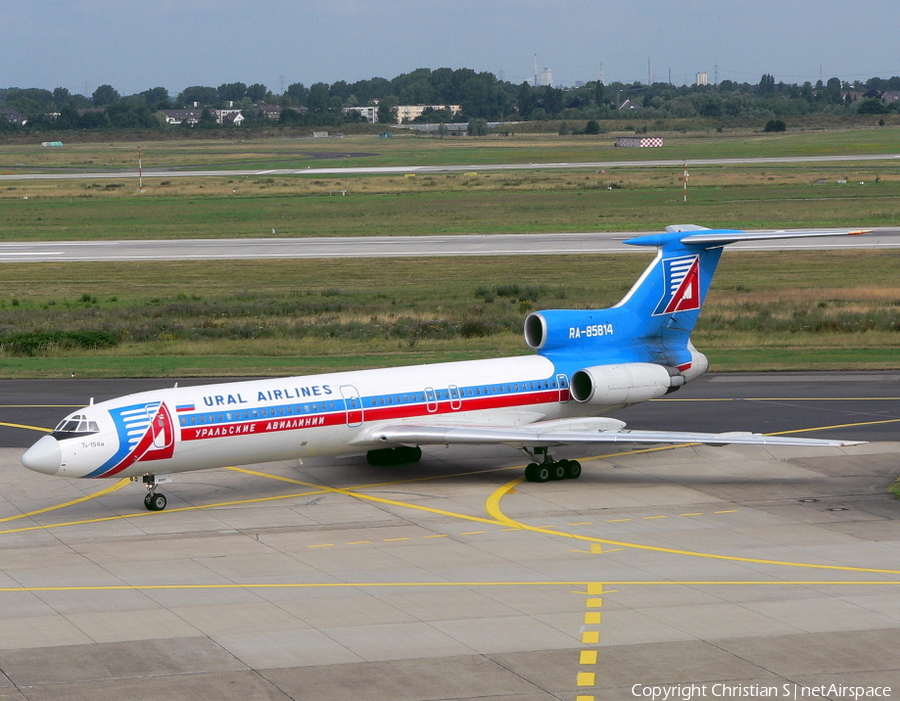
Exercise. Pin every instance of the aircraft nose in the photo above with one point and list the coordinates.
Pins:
(44, 456)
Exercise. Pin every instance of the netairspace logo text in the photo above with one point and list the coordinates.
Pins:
(687, 692)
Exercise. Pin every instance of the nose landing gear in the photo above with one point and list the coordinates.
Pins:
(154, 501)
(550, 469)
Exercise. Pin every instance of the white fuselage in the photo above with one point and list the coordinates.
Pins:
(194, 428)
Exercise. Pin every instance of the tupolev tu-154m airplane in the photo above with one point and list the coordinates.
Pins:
(587, 362)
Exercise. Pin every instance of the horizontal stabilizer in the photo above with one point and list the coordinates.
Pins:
(725, 237)
(690, 234)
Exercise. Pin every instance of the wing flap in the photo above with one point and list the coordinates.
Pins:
(550, 433)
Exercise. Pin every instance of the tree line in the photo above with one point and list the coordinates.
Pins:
(481, 96)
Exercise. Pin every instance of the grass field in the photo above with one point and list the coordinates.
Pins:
(450, 204)
(405, 149)
(766, 311)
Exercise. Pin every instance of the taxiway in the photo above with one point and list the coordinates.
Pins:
(562, 243)
(453, 579)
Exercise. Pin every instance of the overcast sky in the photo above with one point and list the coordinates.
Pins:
(134, 46)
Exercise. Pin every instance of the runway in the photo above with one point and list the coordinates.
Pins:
(428, 170)
(453, 579)
(563, 243)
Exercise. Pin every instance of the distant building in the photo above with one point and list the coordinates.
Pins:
(14, 117)
(370, 112)
(229, 117)
(269, 111)
(409, 113)
(545, 77)
(702, 79)
(190, 116)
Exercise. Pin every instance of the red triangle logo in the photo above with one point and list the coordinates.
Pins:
(687, 296)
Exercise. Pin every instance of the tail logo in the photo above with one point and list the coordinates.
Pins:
(681, 290)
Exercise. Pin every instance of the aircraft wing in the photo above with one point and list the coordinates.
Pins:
(563, 432)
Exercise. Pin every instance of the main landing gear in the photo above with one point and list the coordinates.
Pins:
(551, 469)
(154, 501)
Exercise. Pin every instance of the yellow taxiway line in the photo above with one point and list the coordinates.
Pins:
(118, 485)
(492, 506)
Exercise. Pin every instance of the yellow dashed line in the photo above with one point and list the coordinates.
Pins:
(321, 545)
(442, 535)
(583, 523)
(650, 518)
(393, 540)
(473, 532)
(618, 520)
(698, 513)
(358, 542)
(730, 511)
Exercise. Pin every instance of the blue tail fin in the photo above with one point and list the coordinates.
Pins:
(651, 324)
(662, 308)
(654, 321)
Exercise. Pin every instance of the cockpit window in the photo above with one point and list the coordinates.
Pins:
(72, 426)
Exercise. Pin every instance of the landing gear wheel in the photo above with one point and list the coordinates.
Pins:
(572, 469)
(155, 502)
(557, 470)
(537, 473)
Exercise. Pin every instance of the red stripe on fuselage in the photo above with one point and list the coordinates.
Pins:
(371, 413)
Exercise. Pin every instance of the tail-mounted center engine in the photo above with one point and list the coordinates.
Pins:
(623, 383)
(554, 329)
